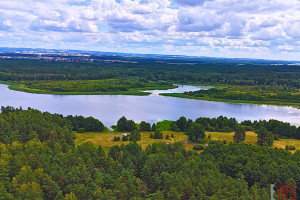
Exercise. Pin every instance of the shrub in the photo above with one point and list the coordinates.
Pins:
(202, 141)
(290, 147)
(167, 137)
(158, 135)
(198, 147)
(117, 138)
(80, 130)
(135, 136)
(125, 138)
(276, 136)
(151, 135)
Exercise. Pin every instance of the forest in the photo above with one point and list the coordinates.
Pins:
(236, 81)
(40, 160)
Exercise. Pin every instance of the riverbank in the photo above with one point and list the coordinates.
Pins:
(274, 103)
(147, 91)
(136, 91)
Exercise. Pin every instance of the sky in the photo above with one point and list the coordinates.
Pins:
(268, 29)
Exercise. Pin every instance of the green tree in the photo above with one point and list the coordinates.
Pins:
(239, 134)
(153, 127)
(122, 124)
(130, 125)
(30, 190)
(4, 195)
(145, 126)
(182, 123)
(174, 127)
(264, 137)
(70, 196)
(195, 132)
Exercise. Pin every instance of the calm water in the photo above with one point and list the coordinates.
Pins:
(109, 108)
(179, 89)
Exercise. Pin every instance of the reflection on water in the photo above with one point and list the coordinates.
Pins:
(109, 108)
(179, 89)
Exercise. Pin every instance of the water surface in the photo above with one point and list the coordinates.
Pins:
(179, 89)
(109, 108)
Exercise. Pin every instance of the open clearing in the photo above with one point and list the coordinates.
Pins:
(106, 139)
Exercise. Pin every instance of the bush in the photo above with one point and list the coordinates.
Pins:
(117, 138)
(125, 138)
(158, 135)
(135, 136)
(276, 136)
(202, 141)
(80, 130)
(172, 136)
(167, 137)
(290, 147)
(151, 135)
(209, 136)
(198, 147)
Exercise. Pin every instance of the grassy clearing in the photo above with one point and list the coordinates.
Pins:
(251, 138)
(106, 139)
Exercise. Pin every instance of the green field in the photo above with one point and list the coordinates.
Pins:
(106, 139)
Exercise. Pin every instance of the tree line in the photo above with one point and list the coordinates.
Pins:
(39, 160)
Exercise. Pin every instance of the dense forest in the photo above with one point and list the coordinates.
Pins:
(249, 81)
(247, 94)
(39, 160)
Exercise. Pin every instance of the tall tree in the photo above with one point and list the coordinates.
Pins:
(239, 134)
(195, 132)
(264, 137)
(122, 124)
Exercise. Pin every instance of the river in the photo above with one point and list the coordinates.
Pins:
(109, 108)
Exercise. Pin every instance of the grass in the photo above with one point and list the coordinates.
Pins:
(136, 91)
(251, 138)
(106, 139)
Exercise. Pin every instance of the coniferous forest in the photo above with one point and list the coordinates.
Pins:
(40, 160)
(232, 80)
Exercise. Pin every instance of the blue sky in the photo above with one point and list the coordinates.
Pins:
(267, 29)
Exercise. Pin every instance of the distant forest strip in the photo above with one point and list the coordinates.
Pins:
(251, 82)
(39, 160)
(244, 94)
(89, 87)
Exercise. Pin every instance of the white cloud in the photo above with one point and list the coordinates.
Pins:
(195, 27)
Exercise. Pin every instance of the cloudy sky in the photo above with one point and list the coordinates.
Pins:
(223, 28)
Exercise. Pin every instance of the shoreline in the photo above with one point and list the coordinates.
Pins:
(144, 92)
(135, 91)
(267, 103)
